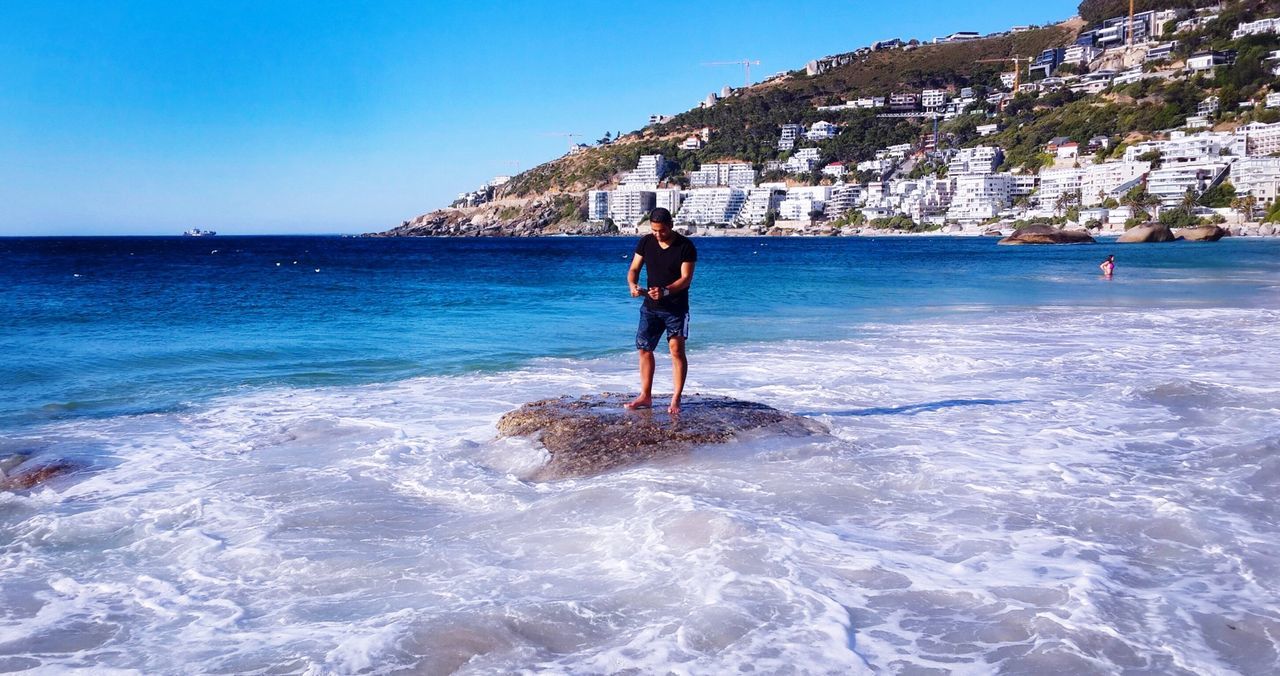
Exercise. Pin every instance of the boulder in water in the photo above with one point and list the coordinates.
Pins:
(594, 434)
(1203, 233)
(1047, 234)
(18, 473)
(1142, 234)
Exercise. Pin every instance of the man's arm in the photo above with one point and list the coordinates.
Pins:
(633, 275)
(686, 278)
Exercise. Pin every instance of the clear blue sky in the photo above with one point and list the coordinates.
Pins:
(122, 117)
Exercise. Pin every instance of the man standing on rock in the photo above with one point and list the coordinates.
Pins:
(668, 258)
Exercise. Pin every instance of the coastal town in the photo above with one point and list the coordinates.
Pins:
(1219, 164)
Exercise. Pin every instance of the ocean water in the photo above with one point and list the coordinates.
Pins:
(291, 467)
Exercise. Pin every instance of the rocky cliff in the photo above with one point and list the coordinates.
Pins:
(536, 217)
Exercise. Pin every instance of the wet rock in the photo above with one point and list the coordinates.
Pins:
(17, 474)
(1047, 234)
(1143, 234)
(594, 434)
(1203, 233)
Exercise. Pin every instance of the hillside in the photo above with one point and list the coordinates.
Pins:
(744, 126)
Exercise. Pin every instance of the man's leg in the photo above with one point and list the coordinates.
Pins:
(645, 400)
(679, 368)
(648, 333)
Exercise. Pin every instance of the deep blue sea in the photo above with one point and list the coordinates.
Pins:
(290, 462)
(106, 326)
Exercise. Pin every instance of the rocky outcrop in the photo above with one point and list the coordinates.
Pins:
(1203, 233)
(1047, 234)
(548, 215)
(19, 472)
(1143, 234)
(594, 434)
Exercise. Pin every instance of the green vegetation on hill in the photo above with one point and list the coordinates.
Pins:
(745, 126)
(1097, 11)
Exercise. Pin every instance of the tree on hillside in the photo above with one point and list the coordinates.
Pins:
(1245, 206)
(1140, 202)
(1219, 196)
(1155, 157)
(1066, 201)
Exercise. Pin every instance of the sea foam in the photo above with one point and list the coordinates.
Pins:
(1024, 491)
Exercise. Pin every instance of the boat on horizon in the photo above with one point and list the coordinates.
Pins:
(197, 232)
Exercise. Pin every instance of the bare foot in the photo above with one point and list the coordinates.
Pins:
(642, 401)
(674, 408)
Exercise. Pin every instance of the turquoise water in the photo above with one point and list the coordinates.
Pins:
(108, 326)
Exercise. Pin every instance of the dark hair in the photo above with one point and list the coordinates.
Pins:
(660, 215)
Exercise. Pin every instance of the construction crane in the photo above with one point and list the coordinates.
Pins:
(745, 63)
(1017, 67)
(568, 135)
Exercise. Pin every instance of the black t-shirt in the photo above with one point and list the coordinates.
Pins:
(662, 267)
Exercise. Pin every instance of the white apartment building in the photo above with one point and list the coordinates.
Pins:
(835, 170)
(760, 201)
(731, 174)
(799, 208)
(1197, 122)
(789, 134)
(1008, 79)
(1170, 183)
(1080, 54)
(979, 197)
(1208, 106)
(649, 170)
(1273, 100)
(925, 199)
(1160, 51)
(976, 160)
(987, 129)
(1110, 179)
(904, 101)
(958, 107)
(1054, 183)
(933, 98)
(820, 193)
(844, 198)
(1194, 23)
(1135, 74)
(1258, 176)
(898, 152)
(597, 205)
(803, 160)
(711, 205)
(1184, 147)
(628, 206)
(668, 198)
(1023, 185)
(821, 131)
(1258, 27)
(1259, 138)
(1207, 61)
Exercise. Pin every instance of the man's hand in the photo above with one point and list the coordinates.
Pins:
(655, 292)
(636, 291)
